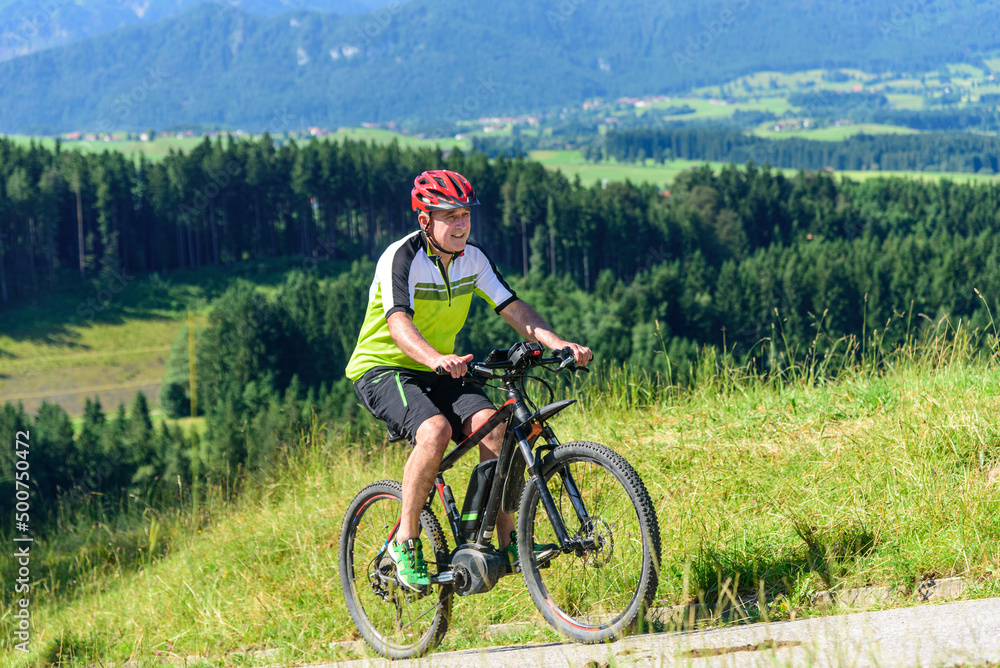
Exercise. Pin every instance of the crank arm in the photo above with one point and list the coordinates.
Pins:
(445, 578)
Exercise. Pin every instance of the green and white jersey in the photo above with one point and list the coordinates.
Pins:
(410, 277)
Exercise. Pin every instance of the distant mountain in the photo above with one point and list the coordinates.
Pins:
(452, 59)
(27, 26)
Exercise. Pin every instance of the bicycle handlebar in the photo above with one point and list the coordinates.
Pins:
(480, 371)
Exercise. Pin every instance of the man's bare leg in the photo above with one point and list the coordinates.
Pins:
(419, 473)
(489, 448)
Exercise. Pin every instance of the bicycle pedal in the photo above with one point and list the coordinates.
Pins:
(546, 555)
(409, 594)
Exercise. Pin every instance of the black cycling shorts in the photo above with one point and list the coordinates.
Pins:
(404, 399)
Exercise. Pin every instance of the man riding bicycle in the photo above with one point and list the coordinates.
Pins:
(417, 303)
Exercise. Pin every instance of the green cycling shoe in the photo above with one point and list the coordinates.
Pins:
(542, 552)
(411, 570)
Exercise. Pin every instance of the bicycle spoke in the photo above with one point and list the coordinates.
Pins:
(395, 618)
(396, 622)
(607, 579)
(607, 584)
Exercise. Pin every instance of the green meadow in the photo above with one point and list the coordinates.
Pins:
(84, 339)
(833, 133)
(706, 109)
(157, 149)
(162, 145)
(572, 163)
(380, 136)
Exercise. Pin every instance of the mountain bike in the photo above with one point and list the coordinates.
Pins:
(587, 533)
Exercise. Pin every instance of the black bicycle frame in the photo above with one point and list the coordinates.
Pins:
(522, 431)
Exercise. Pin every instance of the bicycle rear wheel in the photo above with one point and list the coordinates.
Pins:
(599, 591)
(396, 623)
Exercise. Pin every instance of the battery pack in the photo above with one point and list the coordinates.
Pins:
(479, 487)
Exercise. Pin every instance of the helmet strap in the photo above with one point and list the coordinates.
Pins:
(430, 238)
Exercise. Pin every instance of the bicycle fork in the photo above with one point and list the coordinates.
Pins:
(534, 467)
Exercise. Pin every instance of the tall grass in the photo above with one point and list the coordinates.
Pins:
(834, 467)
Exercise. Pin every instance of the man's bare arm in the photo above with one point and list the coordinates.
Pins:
(529, 324)
(412, 342)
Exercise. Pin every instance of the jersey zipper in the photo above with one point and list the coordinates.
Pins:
(444, 275)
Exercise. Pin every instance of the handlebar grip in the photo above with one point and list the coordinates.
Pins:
(568, 360)
(440, 371)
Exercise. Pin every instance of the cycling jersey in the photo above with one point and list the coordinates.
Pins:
(409, 277)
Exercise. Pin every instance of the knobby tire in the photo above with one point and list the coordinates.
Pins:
(603, 593)
(393, 626)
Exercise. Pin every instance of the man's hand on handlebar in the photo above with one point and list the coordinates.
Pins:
(452, 365)
(518, 358)
(581, 354)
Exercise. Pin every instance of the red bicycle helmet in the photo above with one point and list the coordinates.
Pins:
(441, 190)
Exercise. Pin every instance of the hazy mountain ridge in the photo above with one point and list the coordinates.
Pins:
(434, 59)
(27, 26)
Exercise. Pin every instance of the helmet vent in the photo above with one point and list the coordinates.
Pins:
(440, 190)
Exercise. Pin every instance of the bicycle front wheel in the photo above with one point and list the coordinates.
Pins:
(597, 591)
(396, 623)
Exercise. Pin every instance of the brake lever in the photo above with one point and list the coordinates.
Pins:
(479, 375)
(567, 356)
(570, 361)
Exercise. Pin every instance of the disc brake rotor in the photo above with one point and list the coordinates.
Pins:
(599, 533)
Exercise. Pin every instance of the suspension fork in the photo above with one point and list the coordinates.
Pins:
(521, 434)
(569, 484)
(534, 466)
(573, 492)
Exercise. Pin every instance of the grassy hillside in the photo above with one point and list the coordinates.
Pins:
(890, 475)
(572, 163)
(154, 150)
(405, 141)
(66, 347)
(973, 81)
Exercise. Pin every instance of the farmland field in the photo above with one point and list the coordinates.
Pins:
(154, 150)
(705, 109)
(161, 146)
(833, 133)
(572, 163)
